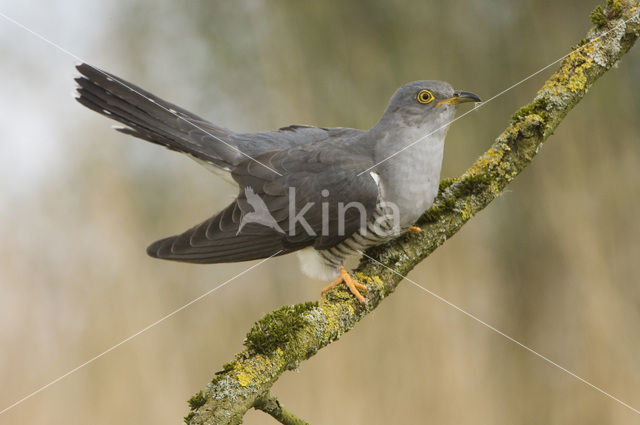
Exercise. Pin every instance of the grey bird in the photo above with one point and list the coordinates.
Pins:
(332, 192)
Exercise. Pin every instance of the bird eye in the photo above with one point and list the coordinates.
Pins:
(425, 96)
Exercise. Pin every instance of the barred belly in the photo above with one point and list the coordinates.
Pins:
(380, 228)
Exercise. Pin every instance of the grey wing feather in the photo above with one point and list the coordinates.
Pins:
(222, 239)
(148, 117)
(290, 137)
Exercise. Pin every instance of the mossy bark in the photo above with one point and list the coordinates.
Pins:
(272, 406)
(291, 334)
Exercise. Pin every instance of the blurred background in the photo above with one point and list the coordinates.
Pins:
(553, 262)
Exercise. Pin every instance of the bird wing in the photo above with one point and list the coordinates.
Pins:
(308, 171)
(148, 117)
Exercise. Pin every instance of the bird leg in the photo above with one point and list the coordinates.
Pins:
(415, 229)
(351, 284)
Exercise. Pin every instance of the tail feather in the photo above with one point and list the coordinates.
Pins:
(155, 120)
(158, 127)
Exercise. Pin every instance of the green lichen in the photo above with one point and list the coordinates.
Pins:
(538, 106)
(580, 44)
(254, 370)
(466, 212)
(197, 401)
(327, 320)
(615, 8)
(371, 282)
(276, 329)
(439, 209)
(247, 373)
(571, 78)
(445, 183)
(228, 366)
(472, 184)
(492, 158)
(598, 17)
(339, 293)
(532, 127)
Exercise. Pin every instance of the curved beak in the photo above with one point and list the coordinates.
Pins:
(460, 96)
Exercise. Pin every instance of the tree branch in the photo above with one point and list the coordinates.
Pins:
(291, 334)
(270, 405)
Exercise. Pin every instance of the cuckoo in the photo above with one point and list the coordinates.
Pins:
(326, 193)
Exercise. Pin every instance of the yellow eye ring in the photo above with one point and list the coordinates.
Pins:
(425, 96)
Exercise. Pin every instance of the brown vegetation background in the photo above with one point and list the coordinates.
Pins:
(553, 262)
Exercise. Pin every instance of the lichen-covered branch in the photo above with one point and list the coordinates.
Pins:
(291, 334)
(270, 405)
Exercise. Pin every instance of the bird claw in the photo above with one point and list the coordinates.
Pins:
(351, 284)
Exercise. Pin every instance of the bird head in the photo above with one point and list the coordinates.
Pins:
(426, 103)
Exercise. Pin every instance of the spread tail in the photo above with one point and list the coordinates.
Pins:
(150, 118)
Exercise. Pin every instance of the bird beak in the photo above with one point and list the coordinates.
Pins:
(460, 97)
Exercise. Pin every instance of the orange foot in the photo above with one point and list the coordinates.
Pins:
(351, 284)
(415, 229)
